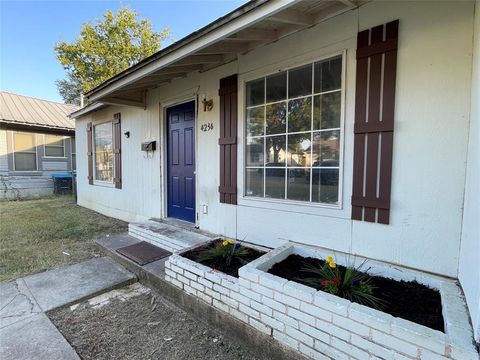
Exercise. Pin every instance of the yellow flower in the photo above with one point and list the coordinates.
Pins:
(329, 259)
(332, 265)
(230, 241)
(225, 243)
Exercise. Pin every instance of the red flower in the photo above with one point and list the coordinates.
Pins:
(336, 281)
(324, 283)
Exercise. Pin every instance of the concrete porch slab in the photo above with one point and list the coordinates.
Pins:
(34, 337)
(63, 286)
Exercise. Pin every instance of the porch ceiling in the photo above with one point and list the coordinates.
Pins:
(214, 48)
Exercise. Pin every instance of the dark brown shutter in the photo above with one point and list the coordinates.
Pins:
(117, 150)
(228, 140)
(374, 112)
(90, 152)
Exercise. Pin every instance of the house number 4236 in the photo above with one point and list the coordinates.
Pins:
(207, 127)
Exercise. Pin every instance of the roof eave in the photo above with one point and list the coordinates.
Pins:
(221, 28)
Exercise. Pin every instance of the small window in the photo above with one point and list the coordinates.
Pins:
(103, 152)
(74, 153)
(293, 134)
(54, 146)
(24, 152)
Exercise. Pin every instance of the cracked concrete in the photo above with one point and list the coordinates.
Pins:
(25, 330)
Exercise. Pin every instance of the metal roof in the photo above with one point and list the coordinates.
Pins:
(29, 111)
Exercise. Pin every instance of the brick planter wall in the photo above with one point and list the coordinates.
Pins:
(318, 324)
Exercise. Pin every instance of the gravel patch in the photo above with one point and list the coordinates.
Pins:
(142, 325)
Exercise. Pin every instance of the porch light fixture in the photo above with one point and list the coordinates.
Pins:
(127, 134)
(207, 105)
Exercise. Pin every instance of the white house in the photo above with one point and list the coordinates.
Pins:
(349, 125)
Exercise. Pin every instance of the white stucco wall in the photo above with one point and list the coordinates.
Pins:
(469, 264)
(432, 115)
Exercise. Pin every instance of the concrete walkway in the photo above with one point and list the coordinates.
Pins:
(25, 330)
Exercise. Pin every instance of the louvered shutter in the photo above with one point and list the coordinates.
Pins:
(374, 118)
(90, 152)
(228, 140)
(117, 150)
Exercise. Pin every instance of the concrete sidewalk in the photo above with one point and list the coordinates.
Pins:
(25, 330)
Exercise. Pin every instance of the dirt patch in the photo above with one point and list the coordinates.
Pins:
(142, 327)
(407, 300)
(218, 263)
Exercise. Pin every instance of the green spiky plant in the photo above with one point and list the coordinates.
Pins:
(350, 283)
(225, 251)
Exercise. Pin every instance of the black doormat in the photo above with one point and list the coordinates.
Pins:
(143, 252)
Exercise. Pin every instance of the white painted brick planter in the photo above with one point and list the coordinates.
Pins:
(320, 325)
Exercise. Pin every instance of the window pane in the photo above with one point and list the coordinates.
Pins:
(277, 87)
(25, 161)
(254, 152)
(275, 183)
(326, 146)
(300, 81)
(326, 111)
(298, 187)
(74, 148)
(256, 92)
(24, 142)
(55, 140)
(299, 115)
(103, 152)
(275, 148)
(255, 121)
(299, 149)
(328, 75)
(276, 118)
(325, 185)
(254, 182)
(54, 151)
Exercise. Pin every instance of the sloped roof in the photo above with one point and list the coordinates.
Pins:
(29, 111)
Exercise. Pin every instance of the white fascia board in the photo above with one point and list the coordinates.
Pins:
(85, 110)
(235, 25)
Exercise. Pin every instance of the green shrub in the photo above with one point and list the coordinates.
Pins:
(347, 282)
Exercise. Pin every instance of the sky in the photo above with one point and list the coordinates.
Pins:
(30, 29)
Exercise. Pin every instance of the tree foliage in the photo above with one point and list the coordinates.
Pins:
(104, 48)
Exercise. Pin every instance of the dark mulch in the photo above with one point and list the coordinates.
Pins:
(218, 264)
(407, 300)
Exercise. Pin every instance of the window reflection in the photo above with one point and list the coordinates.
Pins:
(293, 129)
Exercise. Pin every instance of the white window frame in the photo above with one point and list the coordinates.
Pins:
(275, 70)
(72, 141)
(13, 150)
(94, 154)
(45, 148)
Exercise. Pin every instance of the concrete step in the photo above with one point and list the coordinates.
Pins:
(170, 236)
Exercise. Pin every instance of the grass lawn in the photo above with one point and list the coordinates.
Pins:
(36, 235)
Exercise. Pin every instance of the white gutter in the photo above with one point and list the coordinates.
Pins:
(235, 25)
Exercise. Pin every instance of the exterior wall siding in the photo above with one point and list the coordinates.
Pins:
(29, 184)
(469, 274)
(432, 111)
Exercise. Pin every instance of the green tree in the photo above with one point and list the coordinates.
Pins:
(103, 49)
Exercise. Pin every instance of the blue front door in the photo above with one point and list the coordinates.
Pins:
(181, 161)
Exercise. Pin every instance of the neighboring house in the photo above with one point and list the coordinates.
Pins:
(37, 139)
(305, 121)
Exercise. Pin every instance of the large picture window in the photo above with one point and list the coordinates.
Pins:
(293, 133)
(103, 145)
(24, 151)
(54, 146)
